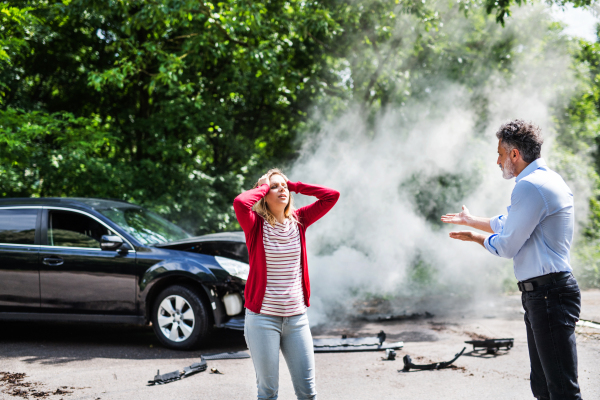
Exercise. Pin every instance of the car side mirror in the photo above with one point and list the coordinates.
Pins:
(110, 242)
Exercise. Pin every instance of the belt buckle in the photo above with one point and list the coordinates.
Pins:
(525, 286)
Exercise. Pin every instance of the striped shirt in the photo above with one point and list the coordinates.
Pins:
(284, 296)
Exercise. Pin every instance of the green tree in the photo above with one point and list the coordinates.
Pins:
(194, 96)
(579, 137)
(177, 104)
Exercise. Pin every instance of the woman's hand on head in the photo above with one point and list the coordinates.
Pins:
(263, 180)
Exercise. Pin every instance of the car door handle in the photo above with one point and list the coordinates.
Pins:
(53, 261)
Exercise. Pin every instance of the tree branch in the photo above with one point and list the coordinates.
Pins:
(318, 41)
(375, 76)
(223, 30)
(146, 72)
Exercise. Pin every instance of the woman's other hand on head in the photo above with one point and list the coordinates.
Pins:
(263, 180)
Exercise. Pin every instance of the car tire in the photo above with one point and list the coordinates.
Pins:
(180, 318)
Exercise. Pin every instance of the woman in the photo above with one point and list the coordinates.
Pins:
(278, 289)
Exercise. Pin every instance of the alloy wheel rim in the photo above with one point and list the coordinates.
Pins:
(176, 318)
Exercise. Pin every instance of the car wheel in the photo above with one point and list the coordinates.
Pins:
(179, 318)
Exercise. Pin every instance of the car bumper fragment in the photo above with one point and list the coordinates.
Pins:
(375, 343)
(176, 375)
(408, 365)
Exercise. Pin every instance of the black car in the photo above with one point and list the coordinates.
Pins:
(95, 260)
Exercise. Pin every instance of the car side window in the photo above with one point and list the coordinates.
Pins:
(71, 229)
(17, 226)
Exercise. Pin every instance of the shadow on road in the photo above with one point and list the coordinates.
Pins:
(60, 343)
(484, 354)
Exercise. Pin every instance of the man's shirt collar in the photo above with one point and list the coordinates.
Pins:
(535, 164)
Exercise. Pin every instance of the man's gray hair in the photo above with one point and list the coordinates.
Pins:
(523, 136)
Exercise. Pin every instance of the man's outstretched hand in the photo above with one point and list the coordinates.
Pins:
(465, 218)
(461, 218)
(468, 236)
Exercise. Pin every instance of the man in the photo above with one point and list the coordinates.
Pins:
(536, 233)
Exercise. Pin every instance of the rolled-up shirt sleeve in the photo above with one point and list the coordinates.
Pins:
(497, 223)
(527, 209)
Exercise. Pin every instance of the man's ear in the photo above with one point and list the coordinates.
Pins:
(514, 154)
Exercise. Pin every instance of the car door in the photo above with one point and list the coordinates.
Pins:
(19, 251)
(76, 275)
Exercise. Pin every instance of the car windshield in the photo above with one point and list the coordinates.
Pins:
(144, 225)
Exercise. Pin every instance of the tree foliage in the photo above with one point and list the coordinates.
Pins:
(186, 100)
(193, 96)
(581, 135)
(36, 149)
(178, 104)
(502, 8)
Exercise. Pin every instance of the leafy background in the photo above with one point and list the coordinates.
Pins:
(179, 105)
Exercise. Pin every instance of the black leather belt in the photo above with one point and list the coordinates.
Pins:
(531, 284)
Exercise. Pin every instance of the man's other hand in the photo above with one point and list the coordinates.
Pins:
(461, 218)
(468, 236)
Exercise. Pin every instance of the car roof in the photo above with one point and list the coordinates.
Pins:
(82, 202)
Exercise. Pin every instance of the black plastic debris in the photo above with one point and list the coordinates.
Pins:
(231, 355)
(408, 364)
(165, 378)
(194, 368)
(346, 344)
(492, 345)
(176, 375)
(390, 354)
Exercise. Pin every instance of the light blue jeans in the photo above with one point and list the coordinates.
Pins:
(265, 335)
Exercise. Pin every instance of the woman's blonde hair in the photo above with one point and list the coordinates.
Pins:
(262, 208)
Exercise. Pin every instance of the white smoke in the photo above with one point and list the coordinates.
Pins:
(369, 243)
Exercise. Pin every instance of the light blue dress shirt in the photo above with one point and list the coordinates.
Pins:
(538, 230)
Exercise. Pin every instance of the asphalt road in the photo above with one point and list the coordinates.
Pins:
(70, 361)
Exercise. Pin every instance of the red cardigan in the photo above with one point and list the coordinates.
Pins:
(252, 224)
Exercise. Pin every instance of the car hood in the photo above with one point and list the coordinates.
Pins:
(226, 244)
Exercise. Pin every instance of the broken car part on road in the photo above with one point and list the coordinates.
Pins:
(197, 367)
(390, 354)
(176, 375)
(492, 345)
(346, 344)
(408, 364)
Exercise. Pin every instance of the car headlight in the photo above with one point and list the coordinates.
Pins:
(235, 268)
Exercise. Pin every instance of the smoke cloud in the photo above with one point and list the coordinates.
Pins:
(427, 156)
